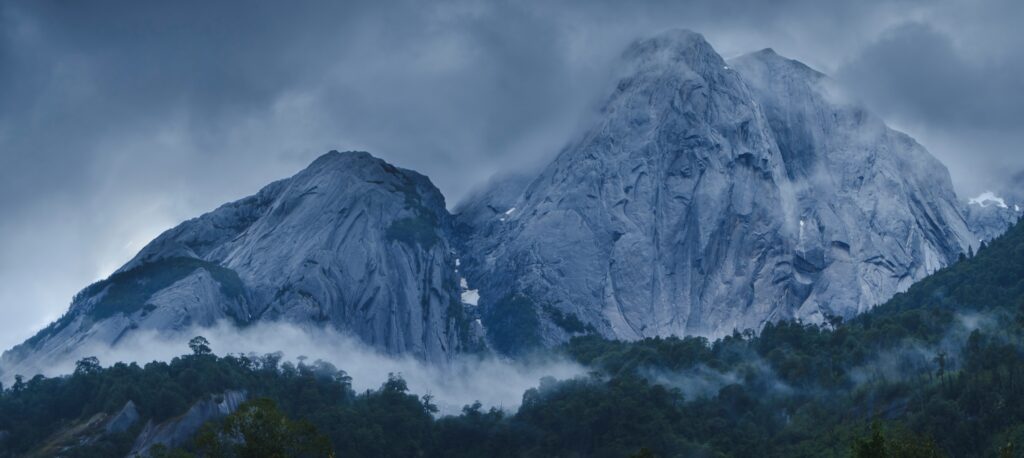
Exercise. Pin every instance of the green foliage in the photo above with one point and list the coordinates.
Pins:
(87, 365)
(127, 292)
(594, 417)
(568, 321)
(41, 411)
(388, 422)
(258, 429)
(898, 444)
(419, 230)
(416, 231)
(513, 325)
(199, 346)
(623, 358)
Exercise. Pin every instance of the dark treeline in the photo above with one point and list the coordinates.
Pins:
(937, 371)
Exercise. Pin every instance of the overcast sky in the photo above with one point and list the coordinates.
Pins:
(120, 119)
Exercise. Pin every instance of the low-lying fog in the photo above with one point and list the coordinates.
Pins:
(494, 381)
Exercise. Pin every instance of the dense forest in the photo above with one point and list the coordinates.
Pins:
(936, 371)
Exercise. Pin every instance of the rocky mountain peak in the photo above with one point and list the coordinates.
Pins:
(712, 196)
(669, 60)
(672, 46)
(777, 64)
(350, 242)
(363, 165)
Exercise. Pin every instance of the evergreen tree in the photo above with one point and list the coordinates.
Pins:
(200, 346)
(258, 429)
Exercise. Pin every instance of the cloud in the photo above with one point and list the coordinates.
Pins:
(915, 359)
(915, 70)
(494, 381)
(964, 107)
(703, 382)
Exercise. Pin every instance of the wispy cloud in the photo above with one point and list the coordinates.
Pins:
(494, 381)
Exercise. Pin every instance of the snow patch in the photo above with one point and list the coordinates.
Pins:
(471, 296)
(988, 198)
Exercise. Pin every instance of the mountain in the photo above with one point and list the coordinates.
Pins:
(710, 196)
(351, 242)
(878, 212)
(707, 196)
(902, 377)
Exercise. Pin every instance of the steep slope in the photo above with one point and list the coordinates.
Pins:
(181, 429)
(708, 199)
(350, 242)
(877, 212)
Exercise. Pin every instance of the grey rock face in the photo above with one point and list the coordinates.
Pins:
(711, 196)
(123, 419)
(178, 430)
(350, 242)
(878, 211)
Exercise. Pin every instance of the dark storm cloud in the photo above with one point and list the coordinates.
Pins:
(962, 99)
(916, 71)
(119, 119)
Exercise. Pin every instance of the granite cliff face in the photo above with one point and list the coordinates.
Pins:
(876, 212)
(350, 242)
(711, 196)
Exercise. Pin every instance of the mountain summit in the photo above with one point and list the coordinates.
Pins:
(712, 196)
(351, 242)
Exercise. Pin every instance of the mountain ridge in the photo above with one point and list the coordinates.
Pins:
(708, 196)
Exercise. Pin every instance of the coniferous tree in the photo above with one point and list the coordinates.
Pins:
(200, 346)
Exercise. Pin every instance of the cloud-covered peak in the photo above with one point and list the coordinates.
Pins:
(767, 60)
(673, 46)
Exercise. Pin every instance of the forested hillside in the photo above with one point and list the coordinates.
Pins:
(937, 371)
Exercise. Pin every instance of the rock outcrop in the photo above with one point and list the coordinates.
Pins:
(123, 419)
(176, 431)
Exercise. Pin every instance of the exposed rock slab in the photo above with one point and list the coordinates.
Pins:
(176, 431)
